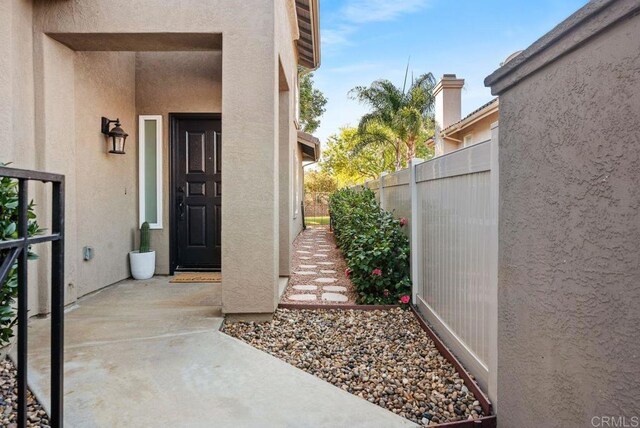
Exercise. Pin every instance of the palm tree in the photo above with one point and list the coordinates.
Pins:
(398, 117)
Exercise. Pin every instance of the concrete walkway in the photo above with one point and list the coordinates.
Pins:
(149, 354)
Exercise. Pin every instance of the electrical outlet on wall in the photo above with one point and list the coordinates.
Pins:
(87, 253)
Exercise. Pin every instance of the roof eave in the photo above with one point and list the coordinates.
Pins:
(481, 113)
(312, 143)
(308, 13)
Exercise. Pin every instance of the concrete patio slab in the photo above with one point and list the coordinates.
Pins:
(149, 354)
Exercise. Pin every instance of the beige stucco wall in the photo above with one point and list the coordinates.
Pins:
(175, 82)
(569, 277)
(447, 110)
(106, 184)
(479, 131)
(17, 106)
(255, 35)
(286, 65)
(16, 83)
(53, 95)
(55, 149)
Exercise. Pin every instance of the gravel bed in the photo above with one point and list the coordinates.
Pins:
(383, 356)
(317, 240)
(9, 400)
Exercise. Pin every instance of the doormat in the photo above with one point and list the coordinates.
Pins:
(190, 277)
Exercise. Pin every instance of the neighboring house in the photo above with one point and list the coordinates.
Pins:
(453, 131)
(208, 93)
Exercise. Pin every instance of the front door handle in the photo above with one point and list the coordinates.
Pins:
(181, 207)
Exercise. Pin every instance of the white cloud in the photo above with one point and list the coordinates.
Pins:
(354, 68)
(337, 36)
(343, 31)
(363, 11)
(359, 12)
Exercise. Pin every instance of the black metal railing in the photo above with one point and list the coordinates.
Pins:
(18, 250)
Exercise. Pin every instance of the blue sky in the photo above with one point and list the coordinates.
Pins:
(364, 40)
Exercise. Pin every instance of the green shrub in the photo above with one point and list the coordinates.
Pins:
(9, 230)
(376, 249)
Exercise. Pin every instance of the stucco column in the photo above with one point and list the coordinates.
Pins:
(5, 81)
(250, 178)
(55, 152)
(16, 84)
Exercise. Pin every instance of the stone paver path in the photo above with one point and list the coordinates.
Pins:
(318, 271)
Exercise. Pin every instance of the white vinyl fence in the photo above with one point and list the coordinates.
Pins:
(395, 195)
(451, 203)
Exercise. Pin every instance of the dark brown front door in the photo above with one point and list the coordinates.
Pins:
(196, 146)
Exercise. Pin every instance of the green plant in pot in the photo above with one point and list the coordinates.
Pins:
(9, 230)
(143, 261)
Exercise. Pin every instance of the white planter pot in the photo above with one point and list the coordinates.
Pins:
(143, 265)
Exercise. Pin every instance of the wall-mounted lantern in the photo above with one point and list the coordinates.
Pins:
(117, 136)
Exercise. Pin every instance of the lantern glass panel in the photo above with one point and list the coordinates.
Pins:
(118, 144)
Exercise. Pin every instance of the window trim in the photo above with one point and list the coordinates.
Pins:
(141, 170)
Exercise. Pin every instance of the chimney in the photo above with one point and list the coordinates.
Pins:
(448, 95)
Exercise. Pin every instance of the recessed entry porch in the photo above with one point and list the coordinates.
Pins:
(162, 87)
(166, 91)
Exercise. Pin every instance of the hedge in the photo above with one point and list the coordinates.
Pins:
(9, 230)
(374, 246)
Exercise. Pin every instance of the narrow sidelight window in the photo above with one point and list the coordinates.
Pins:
(150, 170)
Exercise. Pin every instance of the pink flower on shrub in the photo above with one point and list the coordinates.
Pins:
(405, 299)
(347, 272)
(376, 272)
(403, 221)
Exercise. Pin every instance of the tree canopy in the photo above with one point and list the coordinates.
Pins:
(339, 160)
(394, 131)
(319, 181)
(312, 103)
(399, 118)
